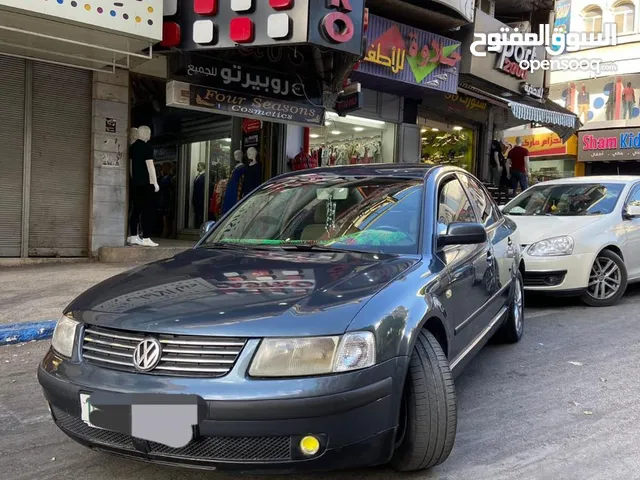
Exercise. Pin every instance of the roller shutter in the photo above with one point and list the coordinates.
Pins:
(61, 161)
(12, 83)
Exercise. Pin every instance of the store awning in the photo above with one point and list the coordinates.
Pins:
(550, 115)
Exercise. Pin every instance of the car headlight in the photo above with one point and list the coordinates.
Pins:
(296, 357)
(552, 247)
(64, 336)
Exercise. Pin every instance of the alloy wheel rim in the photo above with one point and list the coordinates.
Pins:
(518, 306)
(605, 279)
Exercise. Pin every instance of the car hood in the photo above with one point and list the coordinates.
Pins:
(535, 228)
(231, 292)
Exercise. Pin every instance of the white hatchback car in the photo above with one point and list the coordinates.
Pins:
(580, 236)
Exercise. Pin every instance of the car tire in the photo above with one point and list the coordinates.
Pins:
(605, 260)
(512, 329)
(428, 417)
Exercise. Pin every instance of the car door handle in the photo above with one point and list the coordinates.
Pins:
(509, 242)
(489, 257)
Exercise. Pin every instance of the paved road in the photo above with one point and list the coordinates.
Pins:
(526, 412)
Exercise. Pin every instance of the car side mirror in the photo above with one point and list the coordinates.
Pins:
(463, 234)
(206, 228)
(632, 211)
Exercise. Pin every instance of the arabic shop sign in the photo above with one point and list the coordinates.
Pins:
(336, 24)
(255, 106)
(609, 145)
(216, 73)
(545, 144)
(469, 103)
(537, 92)
(349, 100)
(405, 54)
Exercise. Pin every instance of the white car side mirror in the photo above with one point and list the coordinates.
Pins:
(632, 211)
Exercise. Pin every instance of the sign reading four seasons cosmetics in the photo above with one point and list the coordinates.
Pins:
(609, 145)
(405, 54)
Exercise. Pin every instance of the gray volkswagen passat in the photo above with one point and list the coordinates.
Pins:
(318, 325)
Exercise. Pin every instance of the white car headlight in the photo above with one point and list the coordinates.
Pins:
(552, 247)
(64, 336)
(296, 357)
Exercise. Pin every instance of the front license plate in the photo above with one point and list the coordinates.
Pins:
(86, 409)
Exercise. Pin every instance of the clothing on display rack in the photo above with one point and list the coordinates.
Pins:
(348, 152)
(303, 161)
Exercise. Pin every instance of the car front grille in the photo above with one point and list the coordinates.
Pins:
(182, 355)
(246, 449)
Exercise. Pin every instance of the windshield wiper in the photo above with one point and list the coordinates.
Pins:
(324, 248)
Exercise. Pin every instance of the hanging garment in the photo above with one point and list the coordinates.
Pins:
(233, 192)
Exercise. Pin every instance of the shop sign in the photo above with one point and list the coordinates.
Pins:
(528, 89)
(545, 144)
(469, 103)
(217, 73)
(215, 25)
(251, 126)
(255, 106)
(405, 54)
(609, 145)
(349, 100)
(510, 57)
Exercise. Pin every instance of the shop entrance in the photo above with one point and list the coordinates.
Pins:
(449, 143)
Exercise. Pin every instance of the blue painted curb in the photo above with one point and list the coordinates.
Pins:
(26, 332)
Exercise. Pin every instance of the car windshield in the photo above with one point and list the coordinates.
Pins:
(570, 199)
(365, 213)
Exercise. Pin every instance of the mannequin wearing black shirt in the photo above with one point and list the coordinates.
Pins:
(253, 176)
(144, 185)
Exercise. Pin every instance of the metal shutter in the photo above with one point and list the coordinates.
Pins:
(12, 80)
(61, 161)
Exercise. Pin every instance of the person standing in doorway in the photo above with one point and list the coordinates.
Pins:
(583, 104)
(518, 166)
(628, 100)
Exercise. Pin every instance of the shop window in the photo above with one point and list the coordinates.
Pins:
(453, 205)
(592, 19)
(352, 140)
(624, 16)
(208, 168)
(552, 169)
(447, 144)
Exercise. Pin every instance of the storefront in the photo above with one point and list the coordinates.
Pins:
(550, 158)
(451, 128)
(614, 151)
(515, 97)
(431, 128)
(63, 123)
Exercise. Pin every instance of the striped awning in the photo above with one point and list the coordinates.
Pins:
(556, 118)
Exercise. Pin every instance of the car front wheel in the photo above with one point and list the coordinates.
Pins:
(428, 417)
(607, 280)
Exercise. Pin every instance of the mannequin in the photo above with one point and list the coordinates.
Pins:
(198, 195)
(144, 186)
(237, 156)
(496, 159)
(253, 177)
(235, 186)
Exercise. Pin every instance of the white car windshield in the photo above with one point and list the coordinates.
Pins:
(570, 199)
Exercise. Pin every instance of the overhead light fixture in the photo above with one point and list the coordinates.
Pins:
(226, 139)
(423, 130)
(435, 130)
(358, 129)
(314, 135)
(332, 116)
(457, 129)
(335, 132)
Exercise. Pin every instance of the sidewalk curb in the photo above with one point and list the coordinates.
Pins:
(26, 332)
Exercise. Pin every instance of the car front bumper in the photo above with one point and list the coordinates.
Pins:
(559, 274)
(245, 428)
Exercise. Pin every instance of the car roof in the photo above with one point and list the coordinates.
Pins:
(595, 178)
(400, 170)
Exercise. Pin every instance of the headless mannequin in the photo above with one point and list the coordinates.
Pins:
(198, 195)
(254, 172)
(144, 184)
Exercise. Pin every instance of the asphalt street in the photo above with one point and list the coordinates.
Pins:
(563, 403)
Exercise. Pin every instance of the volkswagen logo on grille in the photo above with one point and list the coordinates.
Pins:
(147, 354)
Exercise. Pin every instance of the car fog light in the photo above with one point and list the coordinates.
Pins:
(309, 445)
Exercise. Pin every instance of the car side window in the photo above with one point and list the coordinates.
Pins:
(485, 204)
(453, 205)
(634, 197)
